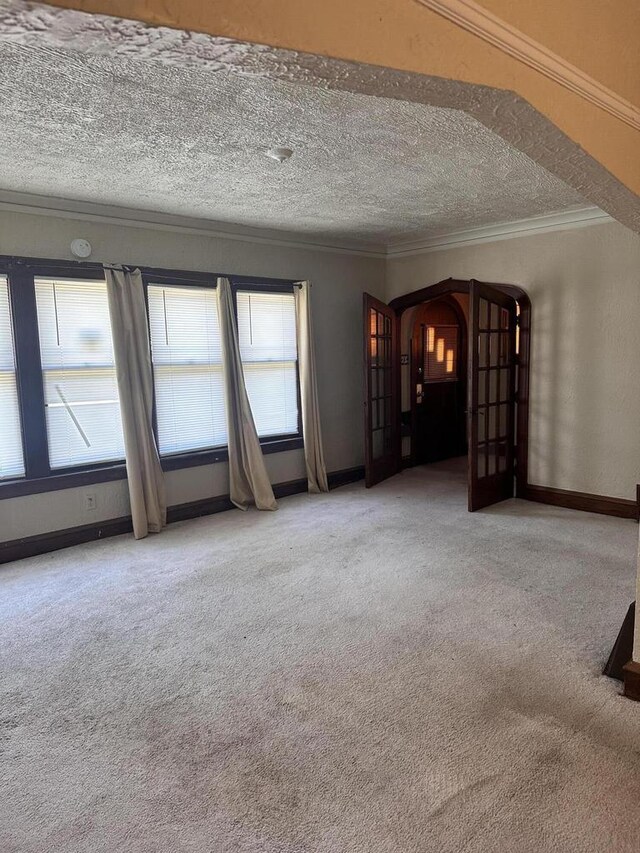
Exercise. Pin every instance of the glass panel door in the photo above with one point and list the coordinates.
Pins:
(492, 377)
(381, 409)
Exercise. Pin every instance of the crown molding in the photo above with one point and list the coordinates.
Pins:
(484, 24)
(569, 219)
(27, 203)
(23, 203)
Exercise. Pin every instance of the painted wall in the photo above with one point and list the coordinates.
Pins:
(584, 285)
(599, 38)
(585, 290)
(339, 280)
(593, 35)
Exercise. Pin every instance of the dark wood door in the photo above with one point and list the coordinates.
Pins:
(491, 395)
(440, 427)
(438, 381)
(381, 411)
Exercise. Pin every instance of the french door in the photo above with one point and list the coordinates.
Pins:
(491, 392)
(492, 363)
(382, 409)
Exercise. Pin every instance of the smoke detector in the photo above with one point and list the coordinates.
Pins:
(279, 154)
(81, 248)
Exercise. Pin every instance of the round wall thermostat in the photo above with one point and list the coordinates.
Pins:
(80, 248)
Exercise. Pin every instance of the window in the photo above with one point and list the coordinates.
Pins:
(60, 419)
(440, 353)
(267, 337)
(79, 376)
(11, 456)
(187, 367)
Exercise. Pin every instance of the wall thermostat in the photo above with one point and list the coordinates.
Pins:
(80, 248)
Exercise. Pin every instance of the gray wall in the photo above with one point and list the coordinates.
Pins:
(584, 286)
(585, 289)
(339, 280)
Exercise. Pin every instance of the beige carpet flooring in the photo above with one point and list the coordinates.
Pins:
(371, 670)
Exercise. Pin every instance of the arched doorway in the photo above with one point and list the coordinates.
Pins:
(437, 374)
(497, 385)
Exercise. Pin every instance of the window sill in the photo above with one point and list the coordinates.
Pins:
(71, 480)
(210, 457)
(112, 473)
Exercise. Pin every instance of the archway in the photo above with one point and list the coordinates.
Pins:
(434, 382)
(497, 344)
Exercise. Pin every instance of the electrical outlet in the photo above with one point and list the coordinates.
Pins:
(90, 501)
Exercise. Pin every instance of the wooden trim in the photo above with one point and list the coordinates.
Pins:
(522, 397)
(186, 278)
(221, 503)
(473, 18)
(54, 267)
(620, 507)
(258, 284)
(29, 381)
(622, 651)
(291, 487)
(196, 509)
(58, 482)
(345, 476)
(388, 464)
(195, 459)
(118, 471)
(456, 285)
(416, 359)
(40, 477)
(43, 543)
(631, 672)
(183, 278)
(431, 291)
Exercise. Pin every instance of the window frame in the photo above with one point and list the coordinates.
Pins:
(13, 324)
(39, 477)
(256, 284)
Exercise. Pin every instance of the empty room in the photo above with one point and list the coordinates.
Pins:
(319, 447)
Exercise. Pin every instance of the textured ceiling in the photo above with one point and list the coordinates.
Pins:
(190, 141)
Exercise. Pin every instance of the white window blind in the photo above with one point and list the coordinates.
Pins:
(267, 335)
(187, 366)
(11, 457)
(80, 387)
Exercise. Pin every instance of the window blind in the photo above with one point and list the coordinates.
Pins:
(11, 456)
(441, 353)
(267, 337)
(187, 366)
(79, 376)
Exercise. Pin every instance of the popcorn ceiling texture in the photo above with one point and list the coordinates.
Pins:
(184, 140)
(365, 130)
(402, 165)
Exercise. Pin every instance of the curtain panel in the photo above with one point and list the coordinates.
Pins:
(248, 479)
(135, 386)
(311, 430)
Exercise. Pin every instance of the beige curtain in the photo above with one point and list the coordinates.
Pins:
(133, 368)
(248, 478)
(313, 455)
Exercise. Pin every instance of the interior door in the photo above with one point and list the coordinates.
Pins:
(381, 411)
(491, 395)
